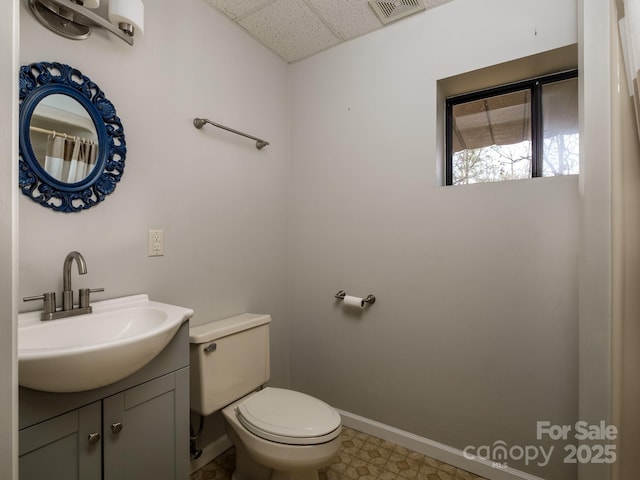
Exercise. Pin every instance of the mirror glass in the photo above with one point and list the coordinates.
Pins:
(63, 138)
(72, 146)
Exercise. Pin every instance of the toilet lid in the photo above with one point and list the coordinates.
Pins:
(290, 417)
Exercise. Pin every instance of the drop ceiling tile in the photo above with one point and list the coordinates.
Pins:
(347, 19)
(236, 8)
(291, 29)
(296, 29)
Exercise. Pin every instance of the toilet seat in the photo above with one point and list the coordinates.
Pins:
(289, 417)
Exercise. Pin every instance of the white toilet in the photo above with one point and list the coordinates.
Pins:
(278, 434)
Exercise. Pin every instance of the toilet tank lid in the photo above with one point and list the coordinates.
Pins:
(227, 326)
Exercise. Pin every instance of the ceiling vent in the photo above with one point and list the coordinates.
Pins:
(391, 10)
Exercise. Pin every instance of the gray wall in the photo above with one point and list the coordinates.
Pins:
(223, 205)
(474, 334)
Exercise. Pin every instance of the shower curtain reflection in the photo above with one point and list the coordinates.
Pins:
(69, 159)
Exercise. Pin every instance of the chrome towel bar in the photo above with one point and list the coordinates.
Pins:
(199, 123)
(370, 299)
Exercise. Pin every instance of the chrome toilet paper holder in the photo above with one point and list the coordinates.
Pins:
(370, 299)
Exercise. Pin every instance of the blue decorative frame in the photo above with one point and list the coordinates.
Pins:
(38, 80)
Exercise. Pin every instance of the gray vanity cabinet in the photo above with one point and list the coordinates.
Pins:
(65, 447)
(136, 429)
(141, 426)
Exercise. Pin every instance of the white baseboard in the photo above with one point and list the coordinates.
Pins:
(211, 452)
(432, 449)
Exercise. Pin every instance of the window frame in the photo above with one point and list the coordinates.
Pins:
(534, 85)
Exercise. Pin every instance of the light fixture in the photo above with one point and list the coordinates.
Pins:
(73, 18)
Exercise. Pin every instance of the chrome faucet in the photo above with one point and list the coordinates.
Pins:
(67, 293)
(49, 312)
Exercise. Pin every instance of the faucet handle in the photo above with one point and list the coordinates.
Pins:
(84, 296)
(49, 301)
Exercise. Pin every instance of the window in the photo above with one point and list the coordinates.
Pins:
(522, 130)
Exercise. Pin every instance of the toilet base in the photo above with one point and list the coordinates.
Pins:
(248, 469)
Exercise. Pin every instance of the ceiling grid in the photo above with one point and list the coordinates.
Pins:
(297, 29)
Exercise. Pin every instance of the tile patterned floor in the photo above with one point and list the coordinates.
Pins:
(361, 457)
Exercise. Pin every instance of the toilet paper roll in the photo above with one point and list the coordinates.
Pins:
(127, 11)
(355, 302)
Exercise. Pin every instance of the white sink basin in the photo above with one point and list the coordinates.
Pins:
(90, 351)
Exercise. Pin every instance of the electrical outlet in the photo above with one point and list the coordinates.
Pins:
(156, 243)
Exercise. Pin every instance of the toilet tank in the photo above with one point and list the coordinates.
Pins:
(229, 359)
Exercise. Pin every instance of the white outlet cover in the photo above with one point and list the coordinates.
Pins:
(156, 243)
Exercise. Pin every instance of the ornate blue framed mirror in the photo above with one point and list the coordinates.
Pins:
(72, 146)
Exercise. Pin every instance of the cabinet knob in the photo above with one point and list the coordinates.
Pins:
(116, 427)
(94, 438)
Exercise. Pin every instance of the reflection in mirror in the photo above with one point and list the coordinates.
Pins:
(64, 138)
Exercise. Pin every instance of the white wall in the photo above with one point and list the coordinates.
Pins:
(474, 334)
(223, 204)
(597, 88)
(8, 240)
(626, 268)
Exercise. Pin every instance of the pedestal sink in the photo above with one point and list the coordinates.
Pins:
(97, 349)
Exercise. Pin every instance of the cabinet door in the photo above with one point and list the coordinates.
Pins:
(146, 433)
(66, 447)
